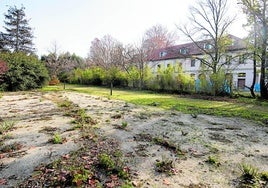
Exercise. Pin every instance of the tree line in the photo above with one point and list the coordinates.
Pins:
(110, 62)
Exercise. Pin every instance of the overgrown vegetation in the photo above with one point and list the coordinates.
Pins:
(165, 80)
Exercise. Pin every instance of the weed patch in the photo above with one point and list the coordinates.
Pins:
(6, 126)
(165, 166)
(48, 130)
(57, 139)
(82, 168)
(213, 160)
(11, 147)
(251, 176)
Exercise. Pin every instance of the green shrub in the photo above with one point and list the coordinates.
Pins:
(89, 76)
(24, 73)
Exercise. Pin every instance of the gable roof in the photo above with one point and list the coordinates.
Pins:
(191, 49)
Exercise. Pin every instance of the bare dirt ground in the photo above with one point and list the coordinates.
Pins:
(151, 135)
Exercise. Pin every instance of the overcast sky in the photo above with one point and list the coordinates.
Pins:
(73, 24)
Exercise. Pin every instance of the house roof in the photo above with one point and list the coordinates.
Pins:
(191, 49)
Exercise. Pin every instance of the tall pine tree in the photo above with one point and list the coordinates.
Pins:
(18, 36)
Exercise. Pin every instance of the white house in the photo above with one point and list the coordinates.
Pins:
(237, 60)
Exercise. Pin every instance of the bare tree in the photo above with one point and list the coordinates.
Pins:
(107, 53)
(257, 12)
(157, 37)
(52, 60)
(140, 60)
(60, 64)
(209, 24)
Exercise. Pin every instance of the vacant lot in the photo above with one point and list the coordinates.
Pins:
(162, 148)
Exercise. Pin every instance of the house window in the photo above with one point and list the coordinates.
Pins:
(183, 51)
(192, 62)
(242, 75)
(162, 54)
(242, 59)
(207, 46)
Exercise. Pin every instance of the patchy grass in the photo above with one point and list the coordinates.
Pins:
(247, 108)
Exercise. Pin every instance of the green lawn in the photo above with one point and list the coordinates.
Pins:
(245, 107)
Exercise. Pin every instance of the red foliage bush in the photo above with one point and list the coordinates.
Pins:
(3, 68)
(54, 81)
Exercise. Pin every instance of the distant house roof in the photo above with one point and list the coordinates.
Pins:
(191, 49)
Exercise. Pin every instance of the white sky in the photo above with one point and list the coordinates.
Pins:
(73, 24)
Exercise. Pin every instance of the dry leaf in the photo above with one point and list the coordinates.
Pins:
(166, 182)
(3, 181)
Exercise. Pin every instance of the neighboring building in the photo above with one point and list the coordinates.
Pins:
(189, 56)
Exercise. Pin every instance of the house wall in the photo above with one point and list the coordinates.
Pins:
(242, 73)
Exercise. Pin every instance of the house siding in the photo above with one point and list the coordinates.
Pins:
(234, 67)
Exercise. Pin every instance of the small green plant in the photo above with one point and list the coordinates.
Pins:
(213, 160)
(106, 161)
(6, 126)
(82, 118)
(80, 176)
(250, 174)
(124, 124)
(57, 139)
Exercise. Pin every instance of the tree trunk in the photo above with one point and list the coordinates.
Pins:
(264, 92)
(111, 88)
(254, 75)
(263, 87)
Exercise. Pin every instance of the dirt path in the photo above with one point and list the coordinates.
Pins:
(150, 136)
(27, 145)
